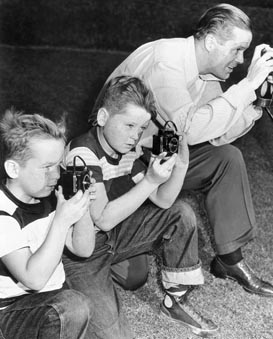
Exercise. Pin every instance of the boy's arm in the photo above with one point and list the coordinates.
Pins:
(34, 269)
(167, 192)
(80, 238)
(107, 214)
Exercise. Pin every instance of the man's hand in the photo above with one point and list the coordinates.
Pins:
(260, 66)
(182, 159)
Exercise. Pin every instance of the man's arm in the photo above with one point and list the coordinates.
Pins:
(200, 108)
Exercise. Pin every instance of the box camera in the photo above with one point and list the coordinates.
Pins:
(75, 178)
(167, 140)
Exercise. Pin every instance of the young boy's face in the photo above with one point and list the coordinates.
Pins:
(123, 131)
(39, 175)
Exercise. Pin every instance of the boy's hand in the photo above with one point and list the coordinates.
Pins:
(159, 172)
(68, 212)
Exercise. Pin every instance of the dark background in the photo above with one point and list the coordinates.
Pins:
(114, 24)
(56, 54)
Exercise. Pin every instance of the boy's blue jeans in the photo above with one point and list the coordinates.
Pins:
(60, 314)
(172, 231)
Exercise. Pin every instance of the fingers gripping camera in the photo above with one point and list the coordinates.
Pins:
(76, 178)
(265, 91)
(167, 140)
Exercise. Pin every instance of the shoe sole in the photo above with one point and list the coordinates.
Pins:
(195, 330)
(223, 276)
(245, 288)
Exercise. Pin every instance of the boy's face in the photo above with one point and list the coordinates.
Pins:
(123, 131)
(39, 175)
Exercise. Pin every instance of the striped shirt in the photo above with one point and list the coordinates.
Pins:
(23, 225)
(119, 174)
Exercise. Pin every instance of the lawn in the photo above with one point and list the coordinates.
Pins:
(51, 81)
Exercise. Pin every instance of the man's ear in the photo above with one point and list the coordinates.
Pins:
(102, 116)
(210, 42)
(12, 168)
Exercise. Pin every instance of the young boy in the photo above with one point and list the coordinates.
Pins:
(135, 211)
(33, 302)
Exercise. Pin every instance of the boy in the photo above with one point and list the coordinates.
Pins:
(33, 303)
(135, 211)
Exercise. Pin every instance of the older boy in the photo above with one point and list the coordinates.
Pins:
(135, 212)
(33, 303)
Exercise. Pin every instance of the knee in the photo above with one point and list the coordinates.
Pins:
(229, 154)
(132, 283)
(185, 212)
(132, 273)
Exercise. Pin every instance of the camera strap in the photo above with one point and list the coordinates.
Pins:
(158, 124)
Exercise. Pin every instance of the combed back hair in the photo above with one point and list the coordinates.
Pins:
(17, 130)
(123, 90)
(220, 20)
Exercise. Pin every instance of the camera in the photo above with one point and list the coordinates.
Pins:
(265, 91)
(167, 140)
(75, 178)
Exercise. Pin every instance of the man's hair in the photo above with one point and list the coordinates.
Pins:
(123, 90)
(220, 20)
(18, 129)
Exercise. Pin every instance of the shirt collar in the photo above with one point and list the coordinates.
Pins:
(192, 69)
(107, 149)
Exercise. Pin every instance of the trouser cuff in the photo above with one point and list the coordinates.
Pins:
(182, 276)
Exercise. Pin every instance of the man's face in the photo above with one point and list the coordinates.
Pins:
(228, 54)
(123, 131)
(39, 175)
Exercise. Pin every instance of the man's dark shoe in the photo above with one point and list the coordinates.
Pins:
(243, 274)
(177, 309)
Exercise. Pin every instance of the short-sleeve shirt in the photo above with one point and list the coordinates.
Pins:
(24, 225)
(119, 174)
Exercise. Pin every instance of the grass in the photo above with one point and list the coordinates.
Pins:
(51, 81)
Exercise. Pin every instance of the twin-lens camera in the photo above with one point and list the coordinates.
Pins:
(75, 178)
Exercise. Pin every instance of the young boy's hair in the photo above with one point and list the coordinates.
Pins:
(17, 130)
(124, 90)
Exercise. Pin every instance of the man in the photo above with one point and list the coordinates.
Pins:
(33, 302)
(134, 212)
(185, 75)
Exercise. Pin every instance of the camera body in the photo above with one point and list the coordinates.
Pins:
(167, 140)
(75, 178)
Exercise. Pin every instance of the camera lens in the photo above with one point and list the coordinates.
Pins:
(173, 145)
(86, 182)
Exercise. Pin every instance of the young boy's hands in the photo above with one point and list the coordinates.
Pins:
(160, 168)
(68, 212)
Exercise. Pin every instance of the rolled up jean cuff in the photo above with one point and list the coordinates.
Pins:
(182, 276)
